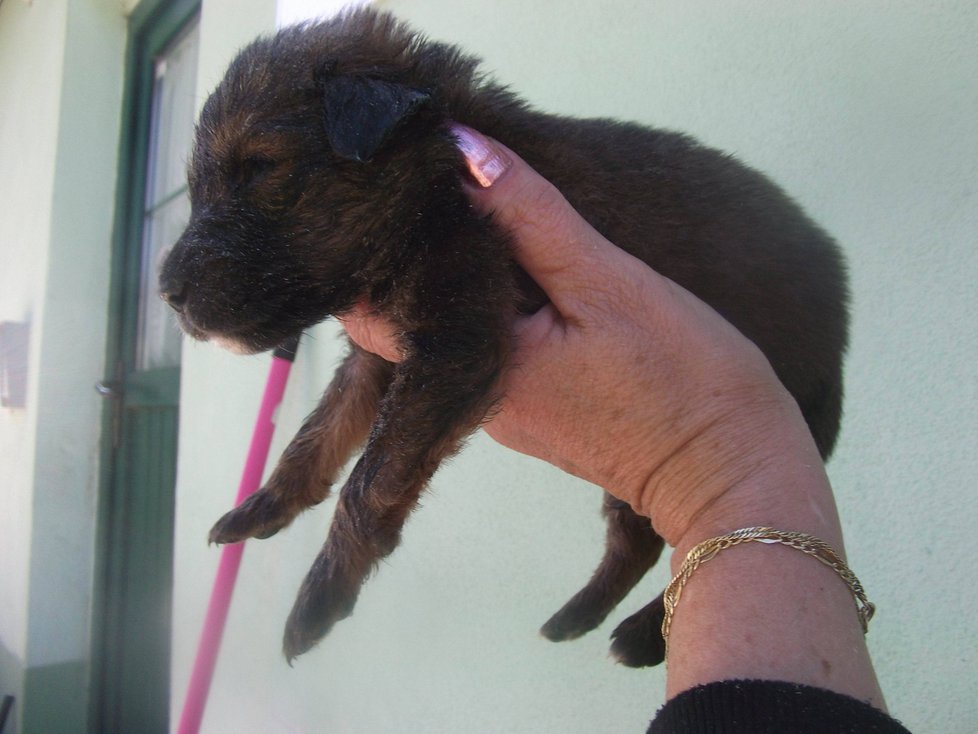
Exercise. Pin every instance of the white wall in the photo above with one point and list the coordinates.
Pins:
(867, 113)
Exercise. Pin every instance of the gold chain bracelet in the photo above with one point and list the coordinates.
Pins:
(808, 544)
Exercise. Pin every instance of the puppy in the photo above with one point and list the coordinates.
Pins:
(324, 174)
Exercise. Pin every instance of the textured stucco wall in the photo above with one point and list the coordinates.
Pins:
(867, 113)
(61, 65)
(29, 121)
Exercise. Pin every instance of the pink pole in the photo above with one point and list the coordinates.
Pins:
(227, 570)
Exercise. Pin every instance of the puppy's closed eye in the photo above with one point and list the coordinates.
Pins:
(267, 183)
(253, 169)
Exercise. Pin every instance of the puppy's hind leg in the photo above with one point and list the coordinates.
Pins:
(308, 467)
(631, 549)
(637, 642)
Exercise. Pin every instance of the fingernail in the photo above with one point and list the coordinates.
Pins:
(485, 161)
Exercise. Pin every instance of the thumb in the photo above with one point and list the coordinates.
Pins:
(557, 248)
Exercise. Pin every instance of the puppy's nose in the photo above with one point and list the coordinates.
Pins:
(175, 295)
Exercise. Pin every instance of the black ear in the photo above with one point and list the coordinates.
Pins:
(360, 113)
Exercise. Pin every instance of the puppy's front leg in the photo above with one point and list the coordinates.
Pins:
(434, 402)
(308, 467)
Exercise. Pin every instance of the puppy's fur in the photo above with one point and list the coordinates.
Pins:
(324, 173)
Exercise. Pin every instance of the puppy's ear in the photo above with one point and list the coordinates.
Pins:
(360, 113)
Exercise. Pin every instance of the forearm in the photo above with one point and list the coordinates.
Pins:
(768, 611)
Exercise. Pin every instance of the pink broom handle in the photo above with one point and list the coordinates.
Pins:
(227, 571)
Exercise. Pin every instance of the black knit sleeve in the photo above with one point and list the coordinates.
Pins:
(769, 707)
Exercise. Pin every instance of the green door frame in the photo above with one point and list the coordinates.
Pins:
(130, 666)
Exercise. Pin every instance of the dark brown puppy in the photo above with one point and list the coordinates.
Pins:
(324, 173)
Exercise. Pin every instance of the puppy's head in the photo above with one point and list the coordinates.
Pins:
(313, 155)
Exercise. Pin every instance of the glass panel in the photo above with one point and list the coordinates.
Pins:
(159, 334)
(174, 106)
(167, 206)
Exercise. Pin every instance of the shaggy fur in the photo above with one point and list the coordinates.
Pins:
(324, 174)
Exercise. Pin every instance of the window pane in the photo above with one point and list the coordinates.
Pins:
(167, 204)
(160, 336)
(173, 124)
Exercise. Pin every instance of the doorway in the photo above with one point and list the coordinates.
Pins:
(131, 668)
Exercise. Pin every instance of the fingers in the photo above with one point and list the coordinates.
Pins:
(371, 332)
(552, 241)
(554, 244)
(573, 263)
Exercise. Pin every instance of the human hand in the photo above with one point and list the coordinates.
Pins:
(629, 381)
(623, 378)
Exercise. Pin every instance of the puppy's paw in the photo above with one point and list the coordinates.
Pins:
(260, 516)
(324, 599)
(637, 642)
(577, 617)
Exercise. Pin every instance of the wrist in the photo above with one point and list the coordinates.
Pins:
(802, 504)
(764, 469)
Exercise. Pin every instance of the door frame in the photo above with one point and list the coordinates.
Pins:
(152, 25)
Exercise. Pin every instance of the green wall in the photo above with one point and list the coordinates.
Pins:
(29, 100)
(61, 64)
(866, 113)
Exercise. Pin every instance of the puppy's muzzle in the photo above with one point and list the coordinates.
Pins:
(176, 276)
(175, 294)
(176, 290)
